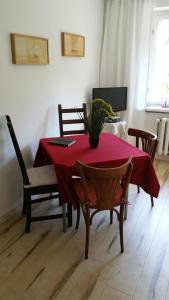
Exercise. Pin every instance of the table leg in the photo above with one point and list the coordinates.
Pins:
(125, 211)
(69, 210)
(64, 217)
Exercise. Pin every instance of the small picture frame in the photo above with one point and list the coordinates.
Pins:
(72, 44)
(29, 50)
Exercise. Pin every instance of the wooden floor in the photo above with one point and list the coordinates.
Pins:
(48, 264)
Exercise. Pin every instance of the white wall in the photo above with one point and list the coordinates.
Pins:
(30, 94)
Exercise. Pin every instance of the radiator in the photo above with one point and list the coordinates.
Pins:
(163, 136)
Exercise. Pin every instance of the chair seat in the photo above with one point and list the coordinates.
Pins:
(78, 188)
(42, 176)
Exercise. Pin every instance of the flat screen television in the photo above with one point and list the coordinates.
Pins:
(116, 96)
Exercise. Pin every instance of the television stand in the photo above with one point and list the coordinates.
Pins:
(117, 128)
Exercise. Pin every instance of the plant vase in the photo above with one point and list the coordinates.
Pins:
(94, 141)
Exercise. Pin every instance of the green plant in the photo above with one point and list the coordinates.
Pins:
(94, 123)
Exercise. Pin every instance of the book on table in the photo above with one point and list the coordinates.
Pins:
(61, 141)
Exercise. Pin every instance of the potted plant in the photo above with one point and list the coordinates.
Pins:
(94, 122)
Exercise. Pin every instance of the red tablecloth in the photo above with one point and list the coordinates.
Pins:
(111, 152)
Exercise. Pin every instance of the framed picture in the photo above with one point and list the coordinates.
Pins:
(29, 50)
(72, 44)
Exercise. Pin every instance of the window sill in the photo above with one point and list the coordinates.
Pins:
(157, 109)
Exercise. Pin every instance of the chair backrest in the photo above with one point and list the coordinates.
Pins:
(149, 141)
(106, 182)
(18, 151)
(82, 116)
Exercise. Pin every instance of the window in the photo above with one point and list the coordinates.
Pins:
(158, 81)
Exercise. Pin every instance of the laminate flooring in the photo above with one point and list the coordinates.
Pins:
(47, 264)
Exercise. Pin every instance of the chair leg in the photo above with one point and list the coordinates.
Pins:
(28, 212)
(78, 216)
(138, 189)
(121, 227)
(111, 216)
(64, 217)
(152, 201)
(87, 221)
(24, 203)
(69, 208)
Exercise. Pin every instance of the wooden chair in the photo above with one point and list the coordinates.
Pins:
(148, 142)
(62, 121)
(101, 189)
(36, 181)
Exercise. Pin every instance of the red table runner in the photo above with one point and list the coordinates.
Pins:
(111, 152)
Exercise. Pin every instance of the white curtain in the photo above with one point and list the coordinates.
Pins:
(125, 52)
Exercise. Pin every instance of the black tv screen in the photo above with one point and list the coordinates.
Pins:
(116, 96)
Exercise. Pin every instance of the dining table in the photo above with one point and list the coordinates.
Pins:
(111, 152)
